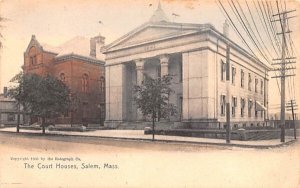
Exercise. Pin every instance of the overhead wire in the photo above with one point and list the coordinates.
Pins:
(235, 28)
(264, 24)
(241, 21)
(292, 79)
(255, 26)
(282, 28)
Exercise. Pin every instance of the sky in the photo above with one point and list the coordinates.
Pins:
(57, 21)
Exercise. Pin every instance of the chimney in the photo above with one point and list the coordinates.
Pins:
(5, 94)
(96, 43)
(93, 47)
(226, 29)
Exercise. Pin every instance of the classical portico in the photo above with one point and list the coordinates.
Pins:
(190, 52)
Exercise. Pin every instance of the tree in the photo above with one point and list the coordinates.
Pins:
(2, 19)
(152, 98)
(44, 97)
(15, 93)
(74, 105)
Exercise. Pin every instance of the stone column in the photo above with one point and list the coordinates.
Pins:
(139, 79)
(139, 71)
(164, 63)
(164, 70)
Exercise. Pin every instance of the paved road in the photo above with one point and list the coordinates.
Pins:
(88, 162)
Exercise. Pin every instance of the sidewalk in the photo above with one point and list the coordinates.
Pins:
(139, 135)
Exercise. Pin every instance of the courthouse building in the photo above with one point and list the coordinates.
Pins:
(80, 65)
(195, 54)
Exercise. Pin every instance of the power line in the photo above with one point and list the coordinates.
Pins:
(268, 16)
(247, 31)
(264, 23)
(255, 26)
(291, 46)
(282, 18)
(290, 67)
(232, 23)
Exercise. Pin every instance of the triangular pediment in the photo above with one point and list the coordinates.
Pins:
(149, 33)
(152, 34)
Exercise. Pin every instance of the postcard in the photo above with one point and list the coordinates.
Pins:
(149, 93)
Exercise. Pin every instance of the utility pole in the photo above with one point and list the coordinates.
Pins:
(293, 120)
(292, 106)
(228, 93)
(283, 62)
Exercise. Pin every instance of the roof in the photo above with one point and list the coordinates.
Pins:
(49, 48)
(78, 45)
(6, 99)
(185, 28)
(160, 20)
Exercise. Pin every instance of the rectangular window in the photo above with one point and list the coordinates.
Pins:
(66, 114)
(242, 107)
(256, 85)
(11, 117)
(233, 70)
(223, 104)
(180, 106)
(158, 71)
(256, 112)
(180, 71)
(249, 107)
(223, 70)
(249, 82)
(242, 78)
(261, 87)
(233, 106)
(31, 61)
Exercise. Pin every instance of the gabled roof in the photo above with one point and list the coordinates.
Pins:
(78, 45)
(154, 31)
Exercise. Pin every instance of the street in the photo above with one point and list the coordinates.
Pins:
(58, 161)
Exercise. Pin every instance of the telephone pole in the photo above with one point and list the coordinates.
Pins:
(292, 106)
(283, 61)
(228, 93)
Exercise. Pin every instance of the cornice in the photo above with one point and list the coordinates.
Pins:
(78, 57)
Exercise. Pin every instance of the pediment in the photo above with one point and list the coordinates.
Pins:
(149, 33)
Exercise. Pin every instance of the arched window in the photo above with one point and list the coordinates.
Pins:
(62, 77)
(84, 83)
(102, 85)
(32, 56)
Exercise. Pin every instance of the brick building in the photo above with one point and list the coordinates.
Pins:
(79, 63)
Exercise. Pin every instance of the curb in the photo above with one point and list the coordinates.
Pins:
(156, 140)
